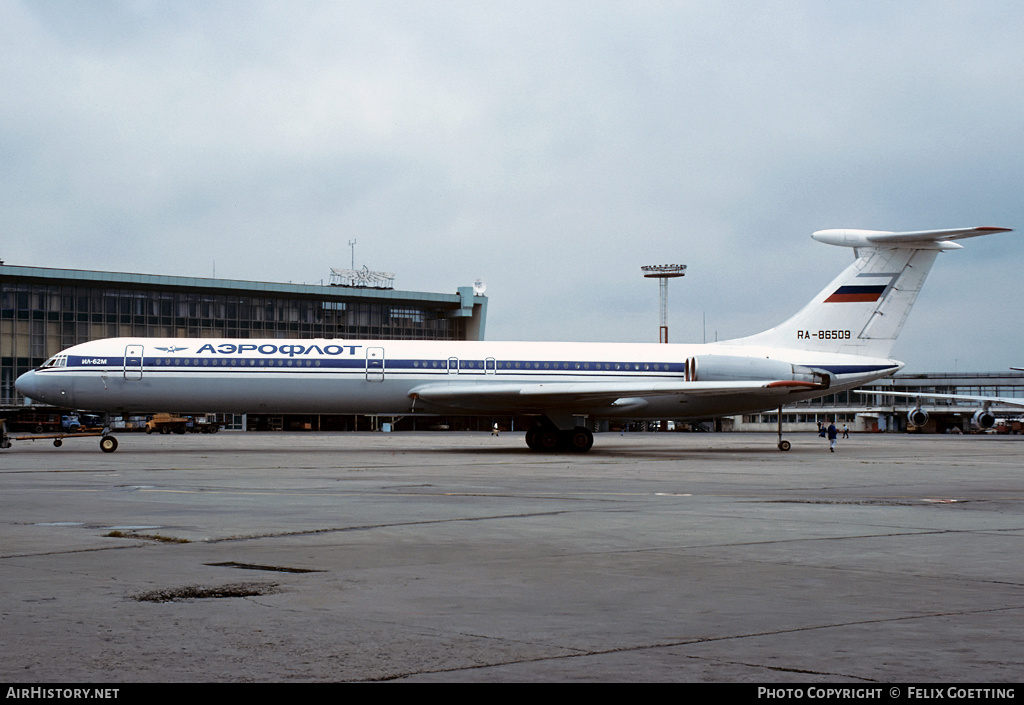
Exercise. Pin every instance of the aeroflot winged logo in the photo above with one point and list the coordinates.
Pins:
(869, 289)
(172, 349)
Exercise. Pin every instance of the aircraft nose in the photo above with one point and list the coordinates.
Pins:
(28, 385)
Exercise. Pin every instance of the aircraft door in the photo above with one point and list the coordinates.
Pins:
(133, 362)
(374, 364)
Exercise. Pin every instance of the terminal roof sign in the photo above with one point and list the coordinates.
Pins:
(362, 278)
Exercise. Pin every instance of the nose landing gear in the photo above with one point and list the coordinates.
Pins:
(783, 445)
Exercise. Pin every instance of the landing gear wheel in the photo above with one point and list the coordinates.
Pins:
(579, 440)
(108, 444)
(548, 439)
(57, 443)
(532, 439)
(543, 439)
(784, 445)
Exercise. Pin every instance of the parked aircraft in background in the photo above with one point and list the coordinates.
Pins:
(982, 418)
(840, 340)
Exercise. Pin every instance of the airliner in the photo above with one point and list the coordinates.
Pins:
(983, 418)
(840, 340)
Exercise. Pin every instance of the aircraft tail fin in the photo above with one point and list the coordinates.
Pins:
(862, 311)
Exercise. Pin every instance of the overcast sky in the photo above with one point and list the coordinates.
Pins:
(547, 148)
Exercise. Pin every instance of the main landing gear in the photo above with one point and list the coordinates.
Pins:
(548, 438)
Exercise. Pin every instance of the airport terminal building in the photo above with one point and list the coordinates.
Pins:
(43, 311)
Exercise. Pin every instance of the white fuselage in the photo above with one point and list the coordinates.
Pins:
(383, 376)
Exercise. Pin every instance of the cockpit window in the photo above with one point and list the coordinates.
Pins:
(56, 361)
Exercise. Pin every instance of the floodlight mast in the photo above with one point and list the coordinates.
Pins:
(663, 272)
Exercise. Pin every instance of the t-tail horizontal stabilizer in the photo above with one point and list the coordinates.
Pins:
(915, 239)
(862, 311)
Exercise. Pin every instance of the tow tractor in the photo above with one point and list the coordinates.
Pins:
(108, 444)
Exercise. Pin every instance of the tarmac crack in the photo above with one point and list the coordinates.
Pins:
(585, 653)
(256, 566)
(802, 539)
(386, 525)
(874, 502)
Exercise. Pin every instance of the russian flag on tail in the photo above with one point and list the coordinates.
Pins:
(857, 294)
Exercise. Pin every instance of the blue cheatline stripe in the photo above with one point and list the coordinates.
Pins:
(248, 363)
(503, 367)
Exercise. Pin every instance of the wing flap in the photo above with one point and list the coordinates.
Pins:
(558, 395)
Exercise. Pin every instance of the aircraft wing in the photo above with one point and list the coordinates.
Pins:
(557, 395)
(1010, 401)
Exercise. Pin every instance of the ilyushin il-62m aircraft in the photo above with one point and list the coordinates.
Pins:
(840, 340)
